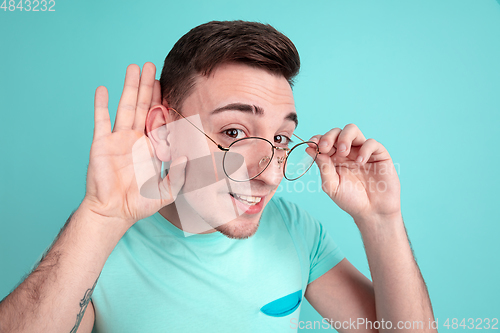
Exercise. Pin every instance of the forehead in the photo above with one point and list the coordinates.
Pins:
(238, 83)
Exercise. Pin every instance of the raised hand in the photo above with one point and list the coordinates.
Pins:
(112, 186)
(358, 174)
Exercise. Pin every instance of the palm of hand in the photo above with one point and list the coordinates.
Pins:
(111, 176)
(361, 189)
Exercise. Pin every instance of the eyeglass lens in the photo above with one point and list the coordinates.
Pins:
(299, 160)
(247, 158)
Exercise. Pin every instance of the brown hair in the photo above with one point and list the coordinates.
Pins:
(211, 44)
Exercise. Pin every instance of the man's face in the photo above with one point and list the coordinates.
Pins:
(234, 102)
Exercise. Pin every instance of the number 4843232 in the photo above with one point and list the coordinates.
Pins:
(478, 323)
(29, 6)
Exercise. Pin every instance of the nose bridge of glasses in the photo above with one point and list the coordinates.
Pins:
(278, 154)
(265, 160)
(281, 154)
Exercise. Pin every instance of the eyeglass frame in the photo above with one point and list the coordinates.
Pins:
(280, 160)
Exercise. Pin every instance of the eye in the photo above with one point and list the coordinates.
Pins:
(234, 133)
(282, 140)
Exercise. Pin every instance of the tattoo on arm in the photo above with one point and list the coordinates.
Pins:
(84, 302)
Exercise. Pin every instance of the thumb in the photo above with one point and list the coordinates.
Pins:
(173, 182)
(329, 176)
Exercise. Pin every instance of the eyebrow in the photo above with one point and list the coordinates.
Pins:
(257, 110)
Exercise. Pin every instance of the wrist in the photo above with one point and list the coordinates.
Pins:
(88, 213)
(380, 224)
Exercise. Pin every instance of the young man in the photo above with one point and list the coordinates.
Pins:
(206, 247)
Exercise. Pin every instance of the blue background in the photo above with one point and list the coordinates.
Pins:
(422, 77)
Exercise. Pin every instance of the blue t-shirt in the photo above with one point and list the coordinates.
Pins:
(158, 280)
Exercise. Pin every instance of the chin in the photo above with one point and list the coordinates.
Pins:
(239, 228)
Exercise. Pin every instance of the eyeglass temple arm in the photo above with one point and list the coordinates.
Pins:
(218, 145)
(317, 149)
(295, 135)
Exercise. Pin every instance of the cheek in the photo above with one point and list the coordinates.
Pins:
(205, 171)
(213, 204)
(186, 140)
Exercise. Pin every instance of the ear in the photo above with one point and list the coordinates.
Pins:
(157, 131)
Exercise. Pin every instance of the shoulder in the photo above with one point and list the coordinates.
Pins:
(309, 235)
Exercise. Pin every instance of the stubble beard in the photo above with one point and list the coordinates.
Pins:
(239, 229)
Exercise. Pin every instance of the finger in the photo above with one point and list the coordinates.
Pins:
(371, 151)
(315, 138)
(156, 94)
(102, 123)
(327, 142)
(173, 182)
(145, 95)
(328, 172)
(322, 160)
(350, 136)
(312, 150)
(126, 107)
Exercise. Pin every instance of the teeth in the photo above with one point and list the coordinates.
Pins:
(248, 199)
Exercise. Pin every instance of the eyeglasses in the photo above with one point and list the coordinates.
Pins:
(245, 159)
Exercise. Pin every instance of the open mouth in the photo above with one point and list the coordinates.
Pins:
(246, 199)
(247, 203)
